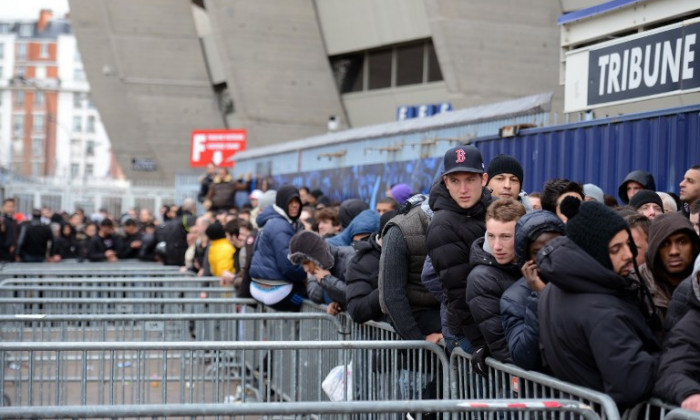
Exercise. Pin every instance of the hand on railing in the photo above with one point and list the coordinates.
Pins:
(691, 403)
(478, 360)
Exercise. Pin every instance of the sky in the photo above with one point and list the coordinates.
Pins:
(29, 9)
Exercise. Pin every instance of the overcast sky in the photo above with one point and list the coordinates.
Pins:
(29, 9)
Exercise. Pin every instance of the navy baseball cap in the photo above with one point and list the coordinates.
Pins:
(463, 159)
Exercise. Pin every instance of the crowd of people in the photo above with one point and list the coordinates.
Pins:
(566, 281)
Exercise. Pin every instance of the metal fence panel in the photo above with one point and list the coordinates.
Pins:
(510, 381)
(545, 409)
(49, 374)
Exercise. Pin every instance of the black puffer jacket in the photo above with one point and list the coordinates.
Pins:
(592, 329)
(362, 276)
(485, 285)
(679, 368)
(449, 239)
(642, 177)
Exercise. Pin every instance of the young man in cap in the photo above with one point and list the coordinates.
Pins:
(505, 177)
(594, 327)
(459, 201)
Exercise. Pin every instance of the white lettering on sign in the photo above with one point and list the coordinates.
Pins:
(665, 62)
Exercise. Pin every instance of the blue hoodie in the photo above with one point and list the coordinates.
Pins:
(365, 222)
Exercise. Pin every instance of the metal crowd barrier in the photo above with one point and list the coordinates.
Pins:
(104, 306)
(118, 269)
(509, 381)
(346, 409)
(656, 409)
(108, 373)
(170, 327)
(681, 414)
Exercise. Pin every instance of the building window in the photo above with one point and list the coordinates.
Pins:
(37, 146)
(18, 125)
(19, 98)
(21, 51)
(90, 148)
(26, 29)
(4, 28)
(349, 72)
(1, 73)
(409, 64)
(79, 75)
(74, 170)
(38, 98)
(38, 124)
(77, 124)
(90, 126)
(90, 103)
(434, 72)
(89, 169)
(21, 71)
(401, 65)
(76, 56)
(40, 72)
(44, 51)
(75, 147)
(77, 100)
(36, 166)
(379, 69)
(2, 50)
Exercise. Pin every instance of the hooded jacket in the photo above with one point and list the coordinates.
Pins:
(663, 284)
(679, 368)
(361, 278)
(593, 330)
(642, 177)
(349, 209)
(272, 247)
(449, 238)
(485, 285)
(365, 222)
(521, 325)
(332, 288)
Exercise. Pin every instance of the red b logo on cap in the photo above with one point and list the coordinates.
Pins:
(460, 156)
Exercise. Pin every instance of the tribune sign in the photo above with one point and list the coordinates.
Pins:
(660, 62)
(216, 146)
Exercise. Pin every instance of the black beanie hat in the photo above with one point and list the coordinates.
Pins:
(285, 194)
(591, 226)
(505, 164)
(646, 196)
(215, 231)
(308, 245)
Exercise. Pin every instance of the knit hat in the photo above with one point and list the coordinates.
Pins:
(308, 245)
(591, 226)
(505, 164)
(595, 192)
(256, 195)
(401, 193)
(268, 198)
(285, 194)
(463, 159)
(215, 231)
(644, 197)
(531, 226)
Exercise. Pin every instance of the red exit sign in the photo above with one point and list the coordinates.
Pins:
(216, 146)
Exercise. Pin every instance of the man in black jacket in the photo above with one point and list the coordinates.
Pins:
(594, 327)
(679, 368)
(459, 201)
(494, 270)
(9, 230)
(105, 246)
(34, 239)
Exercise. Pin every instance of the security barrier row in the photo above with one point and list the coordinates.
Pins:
(143, 345)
